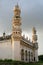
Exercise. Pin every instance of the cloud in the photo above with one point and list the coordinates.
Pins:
(31, 15)
(34, 17)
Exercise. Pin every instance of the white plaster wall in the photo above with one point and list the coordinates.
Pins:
(16, 50)
(13, 51)
(28, 49)
(5, 49)
(36, 55)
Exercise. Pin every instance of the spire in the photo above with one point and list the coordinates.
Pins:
(3, 34)
(34, 35)
(16, 8)
(17, 5)
(33, 30)
(16, 23)
(17, 11)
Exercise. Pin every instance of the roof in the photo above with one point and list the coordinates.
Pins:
(27, 41)
(5, 38)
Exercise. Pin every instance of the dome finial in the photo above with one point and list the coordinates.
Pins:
(17, 4)
(34, 30)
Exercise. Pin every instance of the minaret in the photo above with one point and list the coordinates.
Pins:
(16, 23)
(35, 44)
(34, 36)
(16, 33)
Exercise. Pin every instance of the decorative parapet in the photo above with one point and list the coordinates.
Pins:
(27, 41)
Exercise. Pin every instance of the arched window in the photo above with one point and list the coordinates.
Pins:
(22, 54)
(26, 54)
(34, 58)
(29, 55)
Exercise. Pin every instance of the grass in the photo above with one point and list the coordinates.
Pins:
(10, 62)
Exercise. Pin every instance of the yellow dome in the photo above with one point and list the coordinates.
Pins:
(17, 8)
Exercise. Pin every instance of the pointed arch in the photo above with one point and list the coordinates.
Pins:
(22, 54)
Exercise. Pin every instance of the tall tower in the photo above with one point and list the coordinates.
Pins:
(34, 36)
(16, 33)
(35, 44)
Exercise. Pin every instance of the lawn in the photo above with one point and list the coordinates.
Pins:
(10, 62)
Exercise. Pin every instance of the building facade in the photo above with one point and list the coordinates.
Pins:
(16, 46)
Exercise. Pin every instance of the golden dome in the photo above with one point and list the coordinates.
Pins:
(17, 8)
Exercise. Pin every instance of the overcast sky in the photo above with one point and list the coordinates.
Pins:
(31, 14)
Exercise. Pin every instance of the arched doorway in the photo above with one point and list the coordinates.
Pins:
(22, 54)
(26, 55)
(29, 55)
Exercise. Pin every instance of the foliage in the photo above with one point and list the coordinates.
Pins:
(12, 62)
(40, 58)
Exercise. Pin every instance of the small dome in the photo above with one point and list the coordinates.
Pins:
(4, 33)
(16, 8)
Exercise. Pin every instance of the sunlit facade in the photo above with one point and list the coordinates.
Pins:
(16, 46)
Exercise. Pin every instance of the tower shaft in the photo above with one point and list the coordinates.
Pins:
(16, 34)
(16, 24)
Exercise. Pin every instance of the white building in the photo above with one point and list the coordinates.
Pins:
(16, 46)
